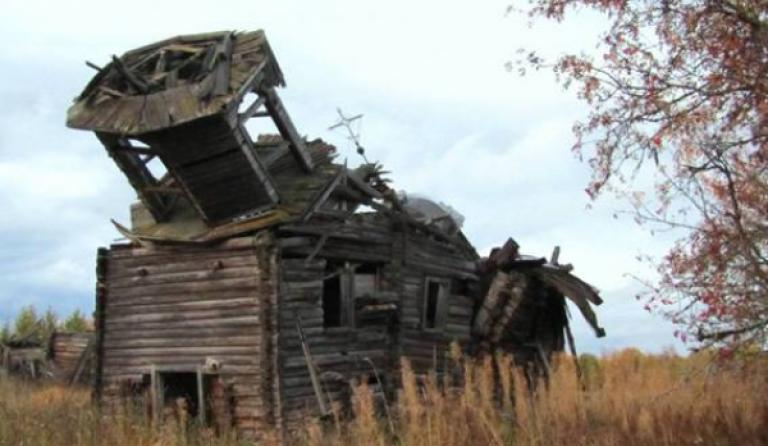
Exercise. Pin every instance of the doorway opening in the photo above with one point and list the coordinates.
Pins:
(180, 393)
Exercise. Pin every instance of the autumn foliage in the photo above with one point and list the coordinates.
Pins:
(679, 92)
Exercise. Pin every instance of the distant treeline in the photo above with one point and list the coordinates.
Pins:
(35, 327)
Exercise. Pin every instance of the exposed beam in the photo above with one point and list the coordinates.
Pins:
(252, 110)
(130, 76)
(130, 162)
(163, 189)
(287, 130)
(127, 147)
(148, 158)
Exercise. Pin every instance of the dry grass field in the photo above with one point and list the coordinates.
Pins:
(627, 398)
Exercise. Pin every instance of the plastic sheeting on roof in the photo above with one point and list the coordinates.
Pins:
(430, 212)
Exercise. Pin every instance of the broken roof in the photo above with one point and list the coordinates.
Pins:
(174, 81)
(298, 192)
(185, 102)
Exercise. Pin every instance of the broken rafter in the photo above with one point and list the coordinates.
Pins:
(287, 130)
(93, 65)
(323, 195)
(130, 76)
(128, 159)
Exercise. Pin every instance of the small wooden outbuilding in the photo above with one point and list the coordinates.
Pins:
(23, 358)
(260, 276)
(70, 356)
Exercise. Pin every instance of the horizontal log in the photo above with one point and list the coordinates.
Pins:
(211, 272)
(201, 352)
(233, 319)
(119, 270)
(164, 332)
(184, 288)
(183, 308)
(230, 341)
(223, 295)
(172, 317)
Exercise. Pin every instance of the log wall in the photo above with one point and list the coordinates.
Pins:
(66, 351)
(182, 306)
(340, 353)
(406, 261)
(426, 258)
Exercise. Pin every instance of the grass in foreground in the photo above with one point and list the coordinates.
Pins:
(630, 399)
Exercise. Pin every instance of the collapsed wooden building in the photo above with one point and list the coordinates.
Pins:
(259, 276)
(65, 357)
(22, 357)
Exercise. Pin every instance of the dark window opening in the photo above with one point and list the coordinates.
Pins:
(333, 307)
(431, 304)
(460, 287)
(180, 393)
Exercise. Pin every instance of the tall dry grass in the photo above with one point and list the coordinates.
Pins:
(46, 415)
(626, 398)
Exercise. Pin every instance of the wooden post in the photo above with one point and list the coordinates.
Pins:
(81, 362)
(200, 396)
(102, 261)
(312, 371)
(156, 395)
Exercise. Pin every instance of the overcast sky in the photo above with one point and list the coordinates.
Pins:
(440, 109)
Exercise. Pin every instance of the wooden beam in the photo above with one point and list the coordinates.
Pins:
(163, 189)
(258, 168)
(200, 396)
(93, 65)
(286, 128)
(316, 386)
(275, 155)
(82, 361)
(316, 249)
(252, 110)
(102, 262)
(137, 173)
(148, 158)
(126, 146)
(132, 78)
(323, 195)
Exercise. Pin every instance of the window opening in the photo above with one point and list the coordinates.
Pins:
(430, 313)
(366, 279)
(332, 300)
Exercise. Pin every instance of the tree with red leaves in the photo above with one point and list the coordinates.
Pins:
(681, 87)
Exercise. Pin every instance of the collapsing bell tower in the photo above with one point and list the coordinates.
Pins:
(181, 101)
